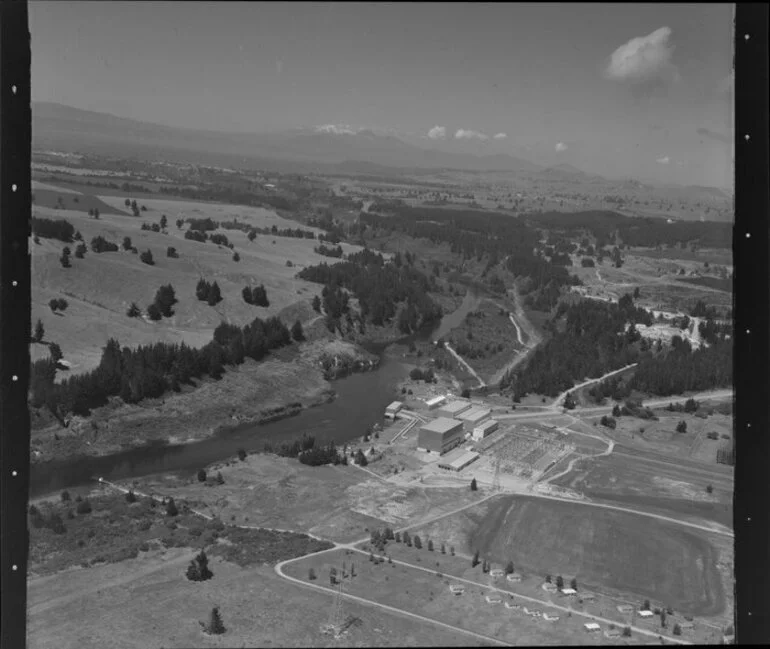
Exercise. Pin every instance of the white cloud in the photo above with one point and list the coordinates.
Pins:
(561, 147)
(644, 59)
(337, 129)
(664, 160)
(501, 136)
(437, 133)
(464, 134)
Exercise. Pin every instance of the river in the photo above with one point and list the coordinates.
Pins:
(361, 401)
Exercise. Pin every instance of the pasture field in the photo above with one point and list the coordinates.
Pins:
(426, 592)
(100, 287)
(148, 602)
(608, 551)
(530, 585)
(335, 502)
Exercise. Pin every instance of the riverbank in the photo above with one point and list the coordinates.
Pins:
(251, 393)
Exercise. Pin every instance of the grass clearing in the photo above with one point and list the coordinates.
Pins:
(606, 550)
(427, 593)
(147, 602)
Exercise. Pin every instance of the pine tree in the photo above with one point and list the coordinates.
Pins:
(573, 583)
(509, 568)
(39, 332)
(297, 332)
(417, 542)
(127, 245)
(163, 222)
(133, 311)
(317, 304)
(171, 508)
(559, 582)
(214, 296)
(55, 351)
(474, 486)
(146, 258)
(475, 560)
(65, 258)
(430, 545)
(215, 625)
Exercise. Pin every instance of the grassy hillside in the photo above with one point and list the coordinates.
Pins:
(100, 287)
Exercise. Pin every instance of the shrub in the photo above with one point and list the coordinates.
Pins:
(677, 629)
(65, 496)
(171, 508)
(311, 575)
(201, 475)
(241, 454)
(84, 507)
(198, 570)
(130, 496)
(133, 311)
(146, 258)
(171, 252)
(626, 631)
(681, 427)
(236, 256)
(220, 479)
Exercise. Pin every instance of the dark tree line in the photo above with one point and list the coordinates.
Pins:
(679, 369)
(60, 229)
(647, 232)
(380, 288)
(150, 371)
(329, 251)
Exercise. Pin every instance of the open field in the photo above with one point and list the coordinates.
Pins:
(334, 502)
(147, 602)
(426, 593)
(100, 287)
(606, 550)
(529, 592)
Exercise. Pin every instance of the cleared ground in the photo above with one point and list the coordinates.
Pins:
(147, 602)
(339, 503)
(604, 549)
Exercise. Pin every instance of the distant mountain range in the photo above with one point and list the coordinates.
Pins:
(64, 128)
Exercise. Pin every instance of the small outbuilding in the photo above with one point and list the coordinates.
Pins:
(393, 409)
(591, 627)
(496, 573)
(646, 614)
(435, 402)
(569, 592)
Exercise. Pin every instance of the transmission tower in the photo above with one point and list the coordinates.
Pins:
(496, 478)
(334, 625)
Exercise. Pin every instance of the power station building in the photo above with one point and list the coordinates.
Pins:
(484, 429)
(440, 435)
(473, 417)
(453, 408)
(393, 409)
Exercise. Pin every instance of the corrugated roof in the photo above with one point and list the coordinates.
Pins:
(484, 425)
(456, 406)
(395, 404)
(466, 457)
(441, 425)
(474, 415)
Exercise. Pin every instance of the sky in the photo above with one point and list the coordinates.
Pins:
(622, 90)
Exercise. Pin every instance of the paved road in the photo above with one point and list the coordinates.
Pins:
(560, 398)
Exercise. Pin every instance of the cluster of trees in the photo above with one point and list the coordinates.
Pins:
(208, 293)
(614, 388)
(100, 244)
(294, 233)
(380, 288)
(592, 342)
(60, 229)
(161, 305)
(134, 207)
(679, 369)
(256, 295)
(198, 570)
(58, 304)
(220, 240)
(328, 251)
(422, 375)
(223, 194)
(146, 258)
(150, 371)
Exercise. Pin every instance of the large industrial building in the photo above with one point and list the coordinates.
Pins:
(484, 429)
(440, 435)
(453, 408)
(473, 417)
